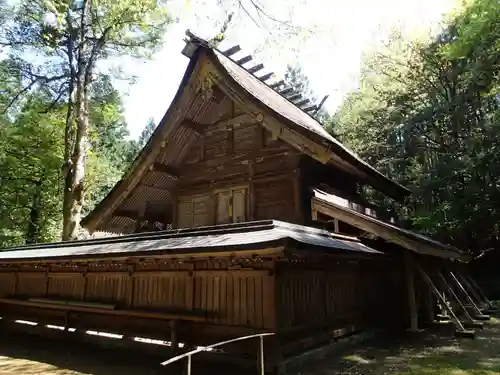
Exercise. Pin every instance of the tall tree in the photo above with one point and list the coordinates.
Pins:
(427, 114)
(137, 145)
(31, 152)
(296, 78)
(58, 44)
(30, 158)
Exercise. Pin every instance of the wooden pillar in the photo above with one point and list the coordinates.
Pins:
(251, 193)
(174, 344)
(297, 196)
(131, 285)
(410, 285)
(140, 217)
(430, 304)
(336, 225)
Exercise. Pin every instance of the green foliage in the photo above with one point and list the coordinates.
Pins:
(31, 155)
(57, 46)
(427, 114)
(30, 160)
(137, 146)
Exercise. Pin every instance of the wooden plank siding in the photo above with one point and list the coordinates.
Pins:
(330, 294)
(241, 298)
(240, 173)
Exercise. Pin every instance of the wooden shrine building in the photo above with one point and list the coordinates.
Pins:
(241, 215)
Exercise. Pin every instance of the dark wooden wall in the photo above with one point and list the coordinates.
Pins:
(237, 172)
(337, 293)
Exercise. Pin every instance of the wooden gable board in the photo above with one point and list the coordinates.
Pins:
(204, 72)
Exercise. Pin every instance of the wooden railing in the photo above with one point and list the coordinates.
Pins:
(205, 348)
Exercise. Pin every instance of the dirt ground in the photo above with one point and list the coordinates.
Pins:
(426, 355)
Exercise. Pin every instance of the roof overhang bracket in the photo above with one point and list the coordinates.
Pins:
(149, 216)
(167, 169)
(195, 126)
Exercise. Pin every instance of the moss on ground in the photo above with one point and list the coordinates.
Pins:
(426, 355)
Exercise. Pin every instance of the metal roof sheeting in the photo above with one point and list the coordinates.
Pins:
(336, 202)
(225, 237)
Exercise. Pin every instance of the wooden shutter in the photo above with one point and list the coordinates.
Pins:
(185, 214)
(239, 205)
(224, 207)
(201, 211)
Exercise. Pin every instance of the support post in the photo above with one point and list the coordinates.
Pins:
(474, 306)
(441, 298)
(188, 370)
(430, 304)
(447, 286)
(474, 284)
(410, 284)
(174, 344)
(472, 291)
(261, 355)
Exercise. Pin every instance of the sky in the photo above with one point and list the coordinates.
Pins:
(329, 41)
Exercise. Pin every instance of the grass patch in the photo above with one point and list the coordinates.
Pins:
(426, 355)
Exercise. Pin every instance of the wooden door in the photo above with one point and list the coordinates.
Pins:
(223, 207)
(194, 211)
(231, 205)
(201, 211)
(239, 205)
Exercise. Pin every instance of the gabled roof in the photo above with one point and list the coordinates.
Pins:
(174, 243)
(330, 205)
(170, 140)
(299, 119)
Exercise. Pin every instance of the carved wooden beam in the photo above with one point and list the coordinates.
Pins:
(167, 169)
(244, 60)
(265, 77)
(310, 108)
(302, 102)
(255, 68)
(195, 126)
(232, 50)
(160, 217)
(277, 84)
(285, 91)
(294, 97)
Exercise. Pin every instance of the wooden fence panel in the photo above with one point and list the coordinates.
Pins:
(168, 291)
(32, 284)
(70, 286)
(7, 284)
(107, 287)
(239, 298)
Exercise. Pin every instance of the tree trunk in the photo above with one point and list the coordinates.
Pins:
(33, 232)
(74, 182)
(75, 173)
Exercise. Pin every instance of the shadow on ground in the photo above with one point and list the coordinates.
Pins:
(29, 355)
(427, 355)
